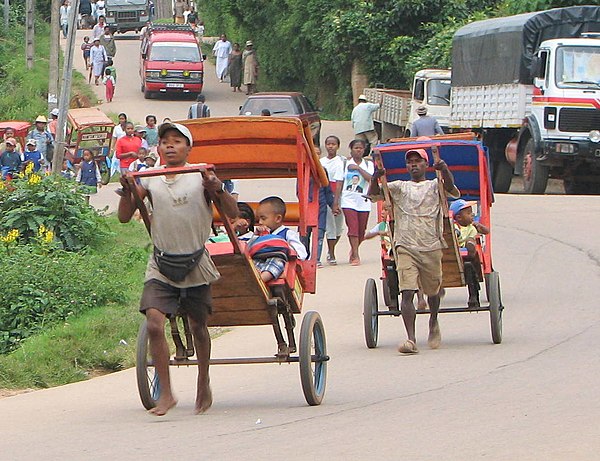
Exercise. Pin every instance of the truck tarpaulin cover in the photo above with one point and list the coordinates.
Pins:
(496, 51)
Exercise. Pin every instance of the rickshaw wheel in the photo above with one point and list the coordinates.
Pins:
(313, 346)
(370, 318)
(496, 307)
(147, 379)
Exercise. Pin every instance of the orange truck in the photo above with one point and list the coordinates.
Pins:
(170, 60)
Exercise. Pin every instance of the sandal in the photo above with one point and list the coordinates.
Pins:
(408, 347)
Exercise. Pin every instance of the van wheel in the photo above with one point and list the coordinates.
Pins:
(147, 94)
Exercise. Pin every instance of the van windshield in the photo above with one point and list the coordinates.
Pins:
(175, 51)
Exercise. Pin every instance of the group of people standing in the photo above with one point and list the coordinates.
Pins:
(240, 66)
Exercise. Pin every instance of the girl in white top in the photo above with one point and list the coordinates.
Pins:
(355, 206)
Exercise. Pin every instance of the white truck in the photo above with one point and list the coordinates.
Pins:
(530, 85)
(431, 88)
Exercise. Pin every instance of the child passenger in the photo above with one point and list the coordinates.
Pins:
(270, 215)
(466, 230)
(89, 174)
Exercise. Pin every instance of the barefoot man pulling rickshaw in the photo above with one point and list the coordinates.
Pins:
(179, 272)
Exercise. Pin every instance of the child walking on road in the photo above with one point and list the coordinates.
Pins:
(110, 83)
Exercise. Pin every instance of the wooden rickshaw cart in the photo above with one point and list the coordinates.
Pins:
(89, 128)
(250, 148)
(21, 129)
(468, 161)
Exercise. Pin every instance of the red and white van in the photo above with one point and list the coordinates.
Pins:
(171, 60)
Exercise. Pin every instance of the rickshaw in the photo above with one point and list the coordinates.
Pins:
(89, 128)
(468, 161)
(250, 148)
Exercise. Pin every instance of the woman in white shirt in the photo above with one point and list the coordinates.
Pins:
(355, 206)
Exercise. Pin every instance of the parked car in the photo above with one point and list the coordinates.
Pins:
(283, 104)
(171, 61)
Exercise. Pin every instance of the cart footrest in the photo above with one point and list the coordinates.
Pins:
(244, 360)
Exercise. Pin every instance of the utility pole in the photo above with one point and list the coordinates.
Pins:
(6, 14)
(65, 91)
(29, 33)
(54, 55)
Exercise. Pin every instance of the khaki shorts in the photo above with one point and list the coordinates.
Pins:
(419, 270)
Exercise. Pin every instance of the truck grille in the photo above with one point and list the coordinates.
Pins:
(579, 120)
(127, 16)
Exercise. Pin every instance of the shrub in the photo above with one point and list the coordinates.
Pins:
(39, 290)
(32, 201)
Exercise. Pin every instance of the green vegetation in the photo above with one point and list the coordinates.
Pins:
(84, 305)
(311, 45)
(24, 92)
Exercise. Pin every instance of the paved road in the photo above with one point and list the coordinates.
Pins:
(531, 398)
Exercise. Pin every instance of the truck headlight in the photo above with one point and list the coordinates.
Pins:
(195, 75)
(594, 135)
(152, 74)
(564, 148)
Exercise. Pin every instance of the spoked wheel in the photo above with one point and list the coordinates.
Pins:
(495, 298)
(147, 379)
(535, 175)
(313, 358)
(370, 318)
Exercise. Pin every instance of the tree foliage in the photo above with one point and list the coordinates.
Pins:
(310, 45)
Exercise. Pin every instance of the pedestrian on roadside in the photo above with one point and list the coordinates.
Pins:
(65, 9)
(127, 148)
(107, 40)
(85, 48)
(356, 208)
(362, 122)
(110, 66)
(140, 132)
(110, 84)
(235, 68)
(179, 9)
(151, 130)
(33, 155)
(43, 137)
(334, 164)
(98, 29)
(98, 58)
(221, 51)
(100, 9)
(418, 239)
(10, 160)
(88, 173)
(119, 130)
(192, 17)
(250, 63)
(9, 132)
(199, 109)
(53, 123)
(425, 125)
(181, 224)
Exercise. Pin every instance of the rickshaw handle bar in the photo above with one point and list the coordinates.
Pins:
(201, 168)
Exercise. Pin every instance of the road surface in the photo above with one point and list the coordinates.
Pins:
(531, 398)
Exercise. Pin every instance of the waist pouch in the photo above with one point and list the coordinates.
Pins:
(176, 267)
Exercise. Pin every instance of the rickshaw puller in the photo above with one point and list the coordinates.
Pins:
(418, 239)
(181, 224)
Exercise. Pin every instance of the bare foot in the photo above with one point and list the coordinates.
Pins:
(162, 407)
(203, 400)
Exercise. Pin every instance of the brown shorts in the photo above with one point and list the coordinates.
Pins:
(419, 270)
(170, 300)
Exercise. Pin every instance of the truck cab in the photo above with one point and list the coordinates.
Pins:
(170, 60)
(431, 88)
(127, 15)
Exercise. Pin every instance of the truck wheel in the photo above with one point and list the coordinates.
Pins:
(147, 94)
(535, 175)
(502, 173)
